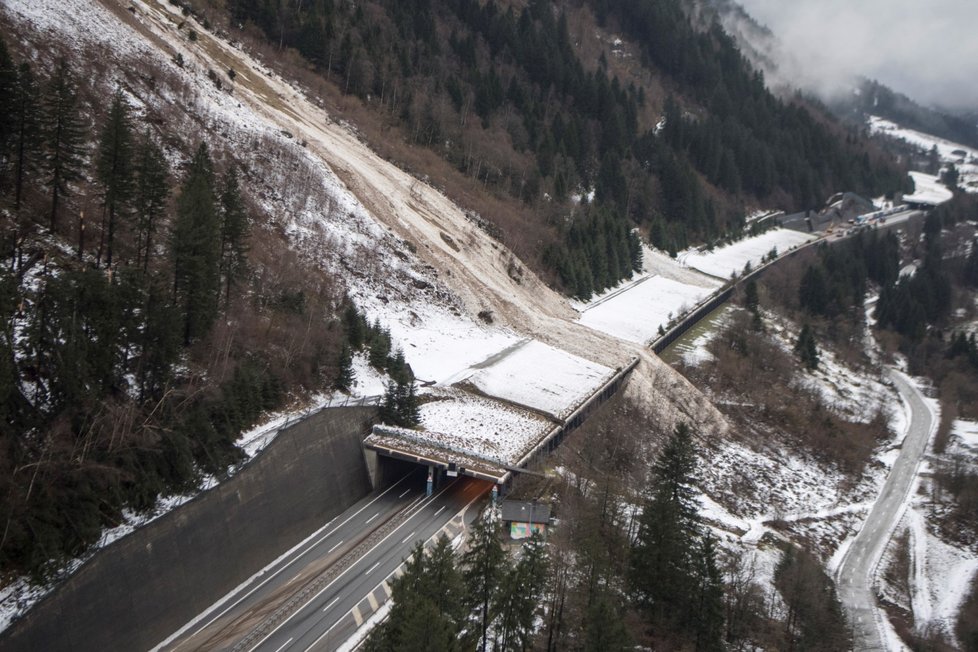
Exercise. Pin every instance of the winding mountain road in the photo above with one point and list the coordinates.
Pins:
(855, 575)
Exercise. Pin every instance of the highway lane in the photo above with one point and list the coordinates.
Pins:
(331, 616)
(237, 613)
(855, 575)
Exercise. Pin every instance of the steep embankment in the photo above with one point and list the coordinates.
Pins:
(482, 273)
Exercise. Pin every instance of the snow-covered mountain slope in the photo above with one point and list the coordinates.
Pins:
(413, 259)
(964, 158)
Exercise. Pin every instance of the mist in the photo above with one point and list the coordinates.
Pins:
(927, 49)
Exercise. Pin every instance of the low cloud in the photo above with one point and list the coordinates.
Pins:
(927, 49)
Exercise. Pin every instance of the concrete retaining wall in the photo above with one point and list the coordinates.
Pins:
(136, 592)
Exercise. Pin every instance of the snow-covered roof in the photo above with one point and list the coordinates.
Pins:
(731, 259)
(543, 378)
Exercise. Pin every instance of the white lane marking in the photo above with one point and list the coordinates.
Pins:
(295, 578)
(284, 645)
(405, 539)
(406, 492)
(372, 517)
(372, 568)
(271, 576)
(334, 547)
(326, 608)
(439, 510)
(420, 503)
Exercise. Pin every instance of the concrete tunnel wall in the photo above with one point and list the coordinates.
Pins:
(142, 588)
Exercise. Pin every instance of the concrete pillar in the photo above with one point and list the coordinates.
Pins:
(431, 481)
(373, 466)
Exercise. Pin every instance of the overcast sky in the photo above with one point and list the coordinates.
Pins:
(927, 49)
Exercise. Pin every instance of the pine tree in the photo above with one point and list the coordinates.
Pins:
(26, 140)
(234, 232)
(806, 349)
(482, 571)
(159, 344)
(425, 604)
(64, 135)
(707, 614)
(196, 248)
(813, 294)
(519, 595)
(662, 562)
(8, 104)
(150, 193)
(604, 628)
(344, 372)
(115, 173)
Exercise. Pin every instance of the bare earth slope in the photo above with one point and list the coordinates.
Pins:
(468, 261)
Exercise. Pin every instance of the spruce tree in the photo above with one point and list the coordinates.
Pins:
(425, 609)
(8, 103)
(663, 575)
(26, 139)
(813, 294)
(482, 571)
(196, 248)
(604, 628)
(806, 349)
(707, 620)
(150, 193)
(64, 135)
(234, 232)
(115, 172)
(519, 595)
(344, 372)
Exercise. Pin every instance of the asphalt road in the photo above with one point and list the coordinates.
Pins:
(855, 575)
(308, 599)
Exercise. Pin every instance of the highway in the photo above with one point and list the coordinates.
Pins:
(855, 575)
(317, 595)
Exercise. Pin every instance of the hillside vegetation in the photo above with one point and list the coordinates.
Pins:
(521, 100)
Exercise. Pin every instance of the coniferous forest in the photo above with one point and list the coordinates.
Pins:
(504, 97)
(144, 327)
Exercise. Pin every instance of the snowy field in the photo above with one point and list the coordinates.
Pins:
(469, 424)
(637, 313)
(928, 189)
(964, 158)
(727, 261)
(543, 378)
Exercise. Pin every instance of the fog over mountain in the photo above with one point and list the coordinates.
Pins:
(927, 50)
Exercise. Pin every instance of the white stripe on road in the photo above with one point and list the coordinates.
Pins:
(326, 608)
(284, 645)
(294, 551)
(372, 517)
(405, 539)
(334, 547)
(372, 568)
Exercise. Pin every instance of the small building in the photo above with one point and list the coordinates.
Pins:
(523, 519)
